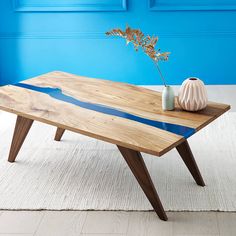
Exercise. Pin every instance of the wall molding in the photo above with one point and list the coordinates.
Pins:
(187, 5)
(101, 35)
(72, 6)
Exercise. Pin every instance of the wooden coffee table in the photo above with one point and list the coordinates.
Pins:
(128, 116)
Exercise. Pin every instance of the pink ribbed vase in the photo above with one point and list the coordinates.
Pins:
(192, 95)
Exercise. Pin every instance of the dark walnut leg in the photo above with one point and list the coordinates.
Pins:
(59, 134)
(139, 169)
(188, 158)
(22, 128)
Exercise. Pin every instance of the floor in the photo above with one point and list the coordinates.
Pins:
(120, 223)
(100, 223)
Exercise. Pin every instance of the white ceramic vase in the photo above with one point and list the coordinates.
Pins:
(192, 95)
(168, 99)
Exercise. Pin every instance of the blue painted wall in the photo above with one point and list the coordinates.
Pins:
(38, 36)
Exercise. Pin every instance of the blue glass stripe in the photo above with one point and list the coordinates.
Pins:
(57, 94)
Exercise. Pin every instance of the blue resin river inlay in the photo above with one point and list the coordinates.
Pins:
(58, 94)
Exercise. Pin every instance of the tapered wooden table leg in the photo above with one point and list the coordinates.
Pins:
(140, 171)
(188, 158)
(22, 128)
(59, 134)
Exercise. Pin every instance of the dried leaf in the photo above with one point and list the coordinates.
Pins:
(138, 39)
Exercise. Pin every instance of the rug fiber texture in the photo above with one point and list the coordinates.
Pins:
(81, 173)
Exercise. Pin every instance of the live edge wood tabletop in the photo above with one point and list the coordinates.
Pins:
(128, 116)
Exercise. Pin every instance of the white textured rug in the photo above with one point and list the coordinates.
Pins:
(81, 173)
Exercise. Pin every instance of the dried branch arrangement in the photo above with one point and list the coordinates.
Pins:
(146, 43)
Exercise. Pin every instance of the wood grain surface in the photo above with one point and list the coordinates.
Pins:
(129, 98)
